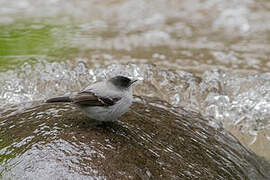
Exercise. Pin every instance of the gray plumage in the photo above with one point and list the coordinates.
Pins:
(103, 101)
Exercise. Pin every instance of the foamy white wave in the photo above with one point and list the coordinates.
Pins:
(239, 100)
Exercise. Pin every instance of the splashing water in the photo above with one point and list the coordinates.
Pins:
(232, 99)
(210, 57)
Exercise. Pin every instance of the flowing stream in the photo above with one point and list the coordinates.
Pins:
(209, 58)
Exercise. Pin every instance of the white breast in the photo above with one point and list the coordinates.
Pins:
(110, 113)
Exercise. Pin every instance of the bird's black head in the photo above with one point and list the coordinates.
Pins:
(122, 81)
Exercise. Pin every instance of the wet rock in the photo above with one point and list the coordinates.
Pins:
(152, 141)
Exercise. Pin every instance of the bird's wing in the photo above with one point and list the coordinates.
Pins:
(86, 98)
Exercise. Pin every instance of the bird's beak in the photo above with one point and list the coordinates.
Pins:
(133, 81)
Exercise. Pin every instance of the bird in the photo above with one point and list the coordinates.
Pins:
(103, 101)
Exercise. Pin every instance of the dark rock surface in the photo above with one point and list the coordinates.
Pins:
(152, 141)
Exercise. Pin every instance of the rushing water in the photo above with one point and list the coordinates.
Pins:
(210, 57)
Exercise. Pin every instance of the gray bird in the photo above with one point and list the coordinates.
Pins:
(103, 101)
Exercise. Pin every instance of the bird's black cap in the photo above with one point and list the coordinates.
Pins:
(122, 81)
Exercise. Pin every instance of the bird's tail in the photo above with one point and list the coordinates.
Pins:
(59, 99)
